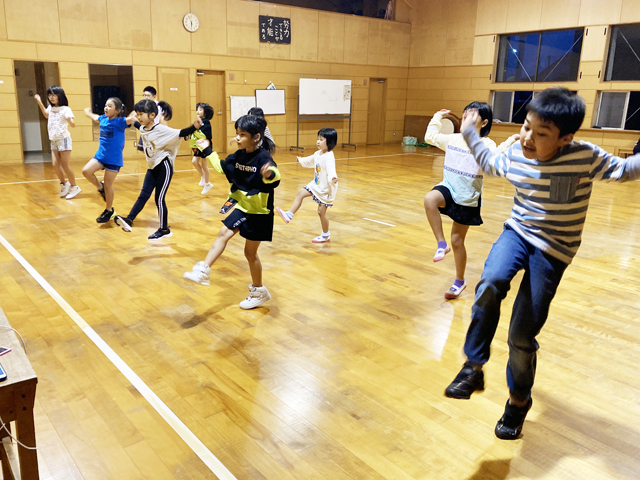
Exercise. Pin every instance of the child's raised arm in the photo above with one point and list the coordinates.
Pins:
(307, 162)
(91, 115)
(433, 135)
(132, 118)
(44, 110)
(270, 173)
(493, 163)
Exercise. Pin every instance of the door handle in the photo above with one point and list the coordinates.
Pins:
(220, 111)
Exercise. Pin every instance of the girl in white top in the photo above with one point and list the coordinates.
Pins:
(59, 117)
(324, 185)
(459, 194)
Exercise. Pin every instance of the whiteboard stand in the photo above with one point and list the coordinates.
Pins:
(322, 117)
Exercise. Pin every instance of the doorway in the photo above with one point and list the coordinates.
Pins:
(210, 89)
(173, 88)
(106, 81)
(377, 110)
(34, 78)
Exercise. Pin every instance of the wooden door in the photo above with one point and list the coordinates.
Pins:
(173, 88)
(375, 117)
(210, 89)
(41, 89)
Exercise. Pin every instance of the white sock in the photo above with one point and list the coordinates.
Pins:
(290, 215)
(327, 234)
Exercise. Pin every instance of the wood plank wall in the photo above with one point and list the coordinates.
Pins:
(326, 45)
(442, 59)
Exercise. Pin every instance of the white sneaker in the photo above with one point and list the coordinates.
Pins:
(322, 239)
(73, 191)
(201, 181)
(199, 274)
(257, 296)
(454, 292)
(206, 188)
(64, 189)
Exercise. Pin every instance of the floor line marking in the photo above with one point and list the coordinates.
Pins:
(378, 221)
(504, 196)
(193, 170)
(171, 418)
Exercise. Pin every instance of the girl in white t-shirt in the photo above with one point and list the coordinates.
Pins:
(59, 117)
(324, 185)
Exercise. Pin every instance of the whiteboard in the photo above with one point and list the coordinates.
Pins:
(270, 101)
(240, 106)
(324, 97)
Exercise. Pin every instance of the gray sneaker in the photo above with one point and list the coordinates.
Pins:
(199, 274)
(257, 296)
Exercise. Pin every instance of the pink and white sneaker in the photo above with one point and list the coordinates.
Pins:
(440, 253)
(322, 239)
(283, 214)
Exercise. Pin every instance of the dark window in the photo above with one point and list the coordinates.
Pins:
(620, 110)
(540, 56)
(623, 61)
(511, 106)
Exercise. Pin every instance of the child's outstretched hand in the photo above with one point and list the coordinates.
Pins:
(471, 118)
(515, 137)
(197, 123)
(37, 98)
(264, 171)
(444, 112)
(87, 111)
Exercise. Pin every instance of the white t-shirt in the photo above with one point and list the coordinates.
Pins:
(321, 187)
(57, 124)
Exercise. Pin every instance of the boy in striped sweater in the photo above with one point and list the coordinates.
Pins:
(553, 176)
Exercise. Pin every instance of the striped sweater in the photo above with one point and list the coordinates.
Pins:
(552, 197)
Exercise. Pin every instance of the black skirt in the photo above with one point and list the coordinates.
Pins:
(459, 213)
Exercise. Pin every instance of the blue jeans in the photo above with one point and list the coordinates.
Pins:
(542, 274)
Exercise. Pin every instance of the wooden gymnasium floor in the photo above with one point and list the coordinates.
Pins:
(341, 375)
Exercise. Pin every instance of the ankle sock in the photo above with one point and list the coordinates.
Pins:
(458, 283)
(442, 245)
(289, 214)
(325, 235)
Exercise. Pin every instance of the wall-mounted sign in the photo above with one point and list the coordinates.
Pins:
(275, 29)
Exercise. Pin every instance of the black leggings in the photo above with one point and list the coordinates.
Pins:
(158, 178)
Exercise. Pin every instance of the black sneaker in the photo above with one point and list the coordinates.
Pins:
(469, 380)
(106, 216)
(160, 233)
(123, 222)
(101, 192)
(509, 427)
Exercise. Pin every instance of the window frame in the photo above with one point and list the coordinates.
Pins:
(609, 58)
(511, 106)
(598, 108)
(534, 79)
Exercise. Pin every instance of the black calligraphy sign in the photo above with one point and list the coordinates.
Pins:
(275, 29)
